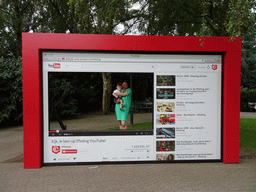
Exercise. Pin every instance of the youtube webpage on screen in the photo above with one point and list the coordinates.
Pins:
(180, 118)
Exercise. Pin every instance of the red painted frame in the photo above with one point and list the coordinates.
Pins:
(32, 87)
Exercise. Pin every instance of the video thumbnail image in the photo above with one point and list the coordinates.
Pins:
(165, 146)
(165, 80)
(165, 106)
(165, 119)
(165, 93)
(165, 133)
(164, 157)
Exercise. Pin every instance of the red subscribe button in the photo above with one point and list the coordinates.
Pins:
(69, 151)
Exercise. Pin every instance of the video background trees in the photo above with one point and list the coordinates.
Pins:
(73, 94)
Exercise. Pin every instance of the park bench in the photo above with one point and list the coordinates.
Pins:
(252, 106)
(142, 107)
(138, 107)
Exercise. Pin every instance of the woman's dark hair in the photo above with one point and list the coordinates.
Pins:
(119, 84)
(125, 82)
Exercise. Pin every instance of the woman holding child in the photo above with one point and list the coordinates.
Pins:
(122, 112)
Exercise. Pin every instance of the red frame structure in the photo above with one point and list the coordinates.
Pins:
(32, 78)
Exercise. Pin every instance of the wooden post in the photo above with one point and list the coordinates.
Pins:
(106, 93)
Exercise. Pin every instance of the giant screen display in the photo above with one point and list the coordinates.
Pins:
(171, 111)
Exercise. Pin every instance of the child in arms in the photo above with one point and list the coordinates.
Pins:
(118, 98)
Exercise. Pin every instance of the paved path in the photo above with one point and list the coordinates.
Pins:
(11, 142)
(11, 139)
(247, 114)
(131, 177)
(122, 177)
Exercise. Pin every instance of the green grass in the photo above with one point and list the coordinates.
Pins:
(248, 134)
(147, 125)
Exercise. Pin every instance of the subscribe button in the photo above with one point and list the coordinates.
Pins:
(69, 151)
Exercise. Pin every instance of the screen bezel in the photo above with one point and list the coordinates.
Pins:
(125, 134)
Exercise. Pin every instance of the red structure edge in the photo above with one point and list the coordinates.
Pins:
(32, 86)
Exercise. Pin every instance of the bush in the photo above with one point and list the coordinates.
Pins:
(10, 91)
(247, 95)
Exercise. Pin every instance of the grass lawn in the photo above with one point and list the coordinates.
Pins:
(147, 125)
(248, 134)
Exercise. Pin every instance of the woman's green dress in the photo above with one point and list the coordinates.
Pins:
(122, 115)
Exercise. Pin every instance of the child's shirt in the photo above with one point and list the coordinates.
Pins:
(118, 91)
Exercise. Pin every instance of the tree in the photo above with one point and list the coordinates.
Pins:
(60, 16)
(162, 17)
(15, 17)
(205, 18)
(106, 93)
(248, 68)
(101, 17)
(56, 16)
(197, 17)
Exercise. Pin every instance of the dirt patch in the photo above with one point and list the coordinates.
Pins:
(247, 155)
(17, 159)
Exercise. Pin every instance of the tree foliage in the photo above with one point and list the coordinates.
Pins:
(197, 17)
(10, 91)
(15, 17)
(248, 69)
(102, 16)
(61, 96)
(240, 18)
(163, 17)
(55, 16)
(74, 94)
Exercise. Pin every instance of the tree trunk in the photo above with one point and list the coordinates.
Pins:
(107, 90)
